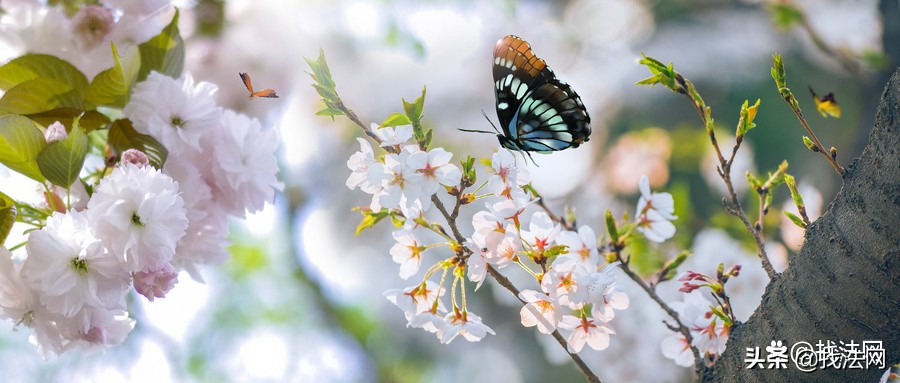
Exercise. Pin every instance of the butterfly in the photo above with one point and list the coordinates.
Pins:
(827, 106)
(268, 93)
(537, 111)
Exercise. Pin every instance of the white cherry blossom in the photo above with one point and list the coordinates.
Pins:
(586, 330)
(654, 213)
(466, 324)
(539, 310)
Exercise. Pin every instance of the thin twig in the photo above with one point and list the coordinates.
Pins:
(506, 283)
(699, 368)
(725, 167)
(819, 147)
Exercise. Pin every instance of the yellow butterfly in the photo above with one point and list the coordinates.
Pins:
(827, 106)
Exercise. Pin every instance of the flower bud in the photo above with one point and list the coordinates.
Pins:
(55, 132)
(92, 26)
(156, 283)
(136, 157)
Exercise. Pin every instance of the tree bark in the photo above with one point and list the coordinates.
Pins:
(844, 284)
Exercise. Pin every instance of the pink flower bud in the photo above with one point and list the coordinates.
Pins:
(690, 276)
(155, 283)
(55, 132)
(688, 287)
(92, 26)
(134, 156)
(735, 270)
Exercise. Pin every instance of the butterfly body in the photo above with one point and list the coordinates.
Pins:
(267, 93)
(537, 111)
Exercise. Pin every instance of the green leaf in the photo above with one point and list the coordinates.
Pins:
(61, 161)
(32, 66)
(329, 112)
(8, 214)
(112, 87)
(40, 95)
(163, 53)
(20, 143)
(670, 268)
(122, 137)
(612, 228)
(795, 219)
(89, 120)
(795, 194)
(322, 82)
(7, 219)
(395, 119)
(370, 219)
(748, 113)
(414, 110)
(785, 15)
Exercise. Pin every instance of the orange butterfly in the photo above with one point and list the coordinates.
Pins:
(268, 93)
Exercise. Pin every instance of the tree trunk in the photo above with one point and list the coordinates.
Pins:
(844, 284)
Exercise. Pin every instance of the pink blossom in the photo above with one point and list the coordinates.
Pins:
(156, 283)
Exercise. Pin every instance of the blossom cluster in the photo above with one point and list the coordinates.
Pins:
(576, 292)
(140, 225)
(708, 331)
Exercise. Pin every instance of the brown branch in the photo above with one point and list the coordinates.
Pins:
(506, 283)
(725, 172)
(699, 367)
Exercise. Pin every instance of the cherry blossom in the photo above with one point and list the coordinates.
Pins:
(541, 233)
(585, 330)
(359, 164)
(392, 136)
(155, 283)
(539, 310)
(55, 132)
(677, 348)
(174, 111)
(69, 268)
(654, 212)
(416, 299)
(506, 175)
(245, 168)
(407, 252)
(435, 168)
(466, 324)
(398, 181)
(582, 248)
(139, 216)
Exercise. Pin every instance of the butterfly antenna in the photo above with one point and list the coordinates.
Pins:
(489, 121)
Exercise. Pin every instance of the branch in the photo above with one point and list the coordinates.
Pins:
(507, 284)
(725, 169)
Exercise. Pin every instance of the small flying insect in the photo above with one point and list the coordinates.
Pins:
(827, 106)
(267, 92)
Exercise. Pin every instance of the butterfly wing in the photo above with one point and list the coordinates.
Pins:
(246, 79)
(268, 93)
(516, 70)
(552, 117)
(537, 111)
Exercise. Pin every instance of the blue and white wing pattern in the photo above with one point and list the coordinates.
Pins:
(537, 111)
